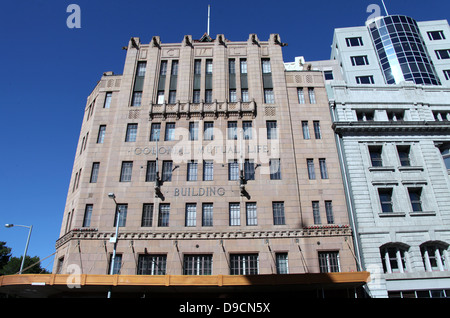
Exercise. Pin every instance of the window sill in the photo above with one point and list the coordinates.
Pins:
(410, 168)
(423, 213)
(391, 214)
(381, 169)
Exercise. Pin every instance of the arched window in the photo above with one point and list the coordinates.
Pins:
(394, 257)
(435, 256)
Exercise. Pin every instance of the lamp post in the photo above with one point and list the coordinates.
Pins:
(26, 246)
(111, 270)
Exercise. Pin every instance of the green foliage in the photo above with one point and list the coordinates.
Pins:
(11, 265)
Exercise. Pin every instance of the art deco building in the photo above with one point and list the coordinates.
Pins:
(212, 160)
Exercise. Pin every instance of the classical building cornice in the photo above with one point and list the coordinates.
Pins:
(391, 127)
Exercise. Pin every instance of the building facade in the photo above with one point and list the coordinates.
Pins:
(212, 160)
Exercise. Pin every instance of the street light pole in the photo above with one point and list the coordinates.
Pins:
(26, 246)
(111, 270)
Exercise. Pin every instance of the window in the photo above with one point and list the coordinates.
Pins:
(233, 98)
(447, 74)
(131, 132)
(443, 54)
(170, 132)
(329, 262)
(117, 264)
(141, 68)
(208, 130)
(207, 214)
(395, 115)
(232, 130)
(196, 96)
(445, 152)
(243, 264)
(163, 215)
(311, 172)
(316, 212)
(137, 98)
(87, 215)
(356, 41)
(301, 95)
(305, 130)
(167, 171)
(368, 79)
(155, 132)
(415, 196)
(192, 170)
(247, 127)
(317, 131)
(172, 97)
(150, 176)
(375, 156)
(441, 116)
(329, 212)
(232, 66)
(147, 215)
(386, 203)
(359, 60)
(208, 96)
(281, 260)
(244, 95)
(193, 130)
(271, 127)
(249, 169)
(235, 214)
(209, 66)
(94, 172)
(152, 264)
(191, 214)
(404, 155)
(394, 258)
(435, 256)
(233, 170)
(163, 69)
(197, 67)
(197, 265)
(311, 95)
(436, 35)
(268, 96)
(122, 208)
(365, 115)
(266, 66)
(108, 98)
(243, 65)
(278, 213)
(208, 170)
(250, 211)
(160, 97)
(323, 168)
(101, 134)
(275, 169)
(328, 75)
(125, 173)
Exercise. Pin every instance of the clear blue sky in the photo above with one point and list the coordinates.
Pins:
(48, 70)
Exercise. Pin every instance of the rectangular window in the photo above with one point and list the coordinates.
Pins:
(243, 264)
(197, 265)
(316, 212)
(278, 213)
(249, 169)
(163, 69)
(375, 156)
(275, 169)
(101, 134)
(193, 130)
(359, 60)
(328, 75)
(152, 264)
(131, 132)
(404, 155)
(167, 171)
(192, 170)
(208, 96)
(172, 97)
(87, 215)
(207, 214)
(329, 262)
(282, 263)
(208, 130)
(386, 203)
(233, 170)
(243, 66)
(155, 132)
(235, 214)
(150, 176)
(197, 67)
(317, 131)
(266, 69)
(305, 130)
(415, 196)
(94, 172)
(311, 95)
(436, 35)
(163, 215)
(364, 115)
(196, 96)
(250, 211)
(395, 115)
(233, 97)
(232, 66)
(447, 74)
(323, 168)
(208, 170)
(268, 96)
(117, 264)
(301, 95)
(311, 171)
(160, 98)
(141, 67)
(108, 98)
(147, 215)
(356, 41)
(125, 173)
(137, 98)
(244, 95)
(191, 214)
(209, 66)
(247, 127)
(329, 212)
(170, 132)
(123, 208)
(271, 127)
(368, 79)
(232, 130)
